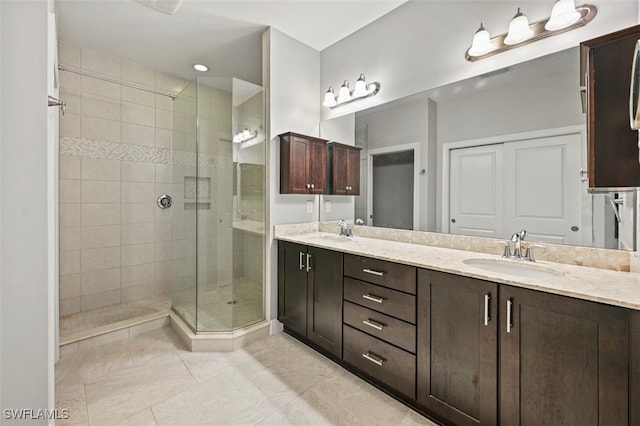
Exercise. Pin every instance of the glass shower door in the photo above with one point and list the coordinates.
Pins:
(184, 167)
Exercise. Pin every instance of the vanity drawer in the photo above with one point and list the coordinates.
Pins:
(380, 360)
(381, 299)
(382, 326)
(381, 272)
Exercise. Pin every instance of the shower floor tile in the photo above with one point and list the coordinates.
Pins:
(274, 381)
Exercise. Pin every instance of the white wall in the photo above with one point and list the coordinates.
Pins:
(292, 79)
(421, 45)
(25, 366)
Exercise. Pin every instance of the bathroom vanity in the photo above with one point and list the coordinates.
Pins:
(463, 336)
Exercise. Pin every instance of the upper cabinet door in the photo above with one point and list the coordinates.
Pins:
(613, 145)
(303, 162)
(317, 166)
(344, 169)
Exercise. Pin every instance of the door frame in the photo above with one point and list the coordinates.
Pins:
(515, 137)
(415, 147)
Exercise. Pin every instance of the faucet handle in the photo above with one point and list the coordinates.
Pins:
(359, 222)
(528, 254)
(507, 249)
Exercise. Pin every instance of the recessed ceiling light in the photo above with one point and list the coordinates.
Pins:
(201, 67)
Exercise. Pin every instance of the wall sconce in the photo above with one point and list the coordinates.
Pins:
(565, 16)
(345, 95)
(245, 135)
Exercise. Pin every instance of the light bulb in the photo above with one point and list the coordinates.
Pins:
(563, 15)
(519, 30)
(344, 95)
(329, 98)
(361, 87)
(481, 44)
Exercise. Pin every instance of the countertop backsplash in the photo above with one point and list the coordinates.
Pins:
(616, 260)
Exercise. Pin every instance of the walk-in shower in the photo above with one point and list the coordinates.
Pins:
(131, 135)
(218, 204)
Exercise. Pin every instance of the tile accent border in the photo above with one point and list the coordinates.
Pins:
(90, 148)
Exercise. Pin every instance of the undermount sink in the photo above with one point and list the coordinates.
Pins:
(513, 267)
(332, 238)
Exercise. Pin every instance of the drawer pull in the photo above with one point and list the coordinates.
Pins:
(487, 302)
(374, 358)
(373, 298)
(308, 262)
(301, 261)
(372, 272)
(509, 315)
(373, 324)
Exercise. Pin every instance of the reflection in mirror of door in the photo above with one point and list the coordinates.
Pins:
(538, 97)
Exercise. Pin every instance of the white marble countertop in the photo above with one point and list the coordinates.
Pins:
(598, 285)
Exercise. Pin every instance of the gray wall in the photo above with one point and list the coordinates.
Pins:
(24, 333)
(421, 44)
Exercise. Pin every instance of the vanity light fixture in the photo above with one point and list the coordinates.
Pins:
(565, 16)
(245, 135)
(345, 95)
(519, 30)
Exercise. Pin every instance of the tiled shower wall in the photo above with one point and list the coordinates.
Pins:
(115, 141)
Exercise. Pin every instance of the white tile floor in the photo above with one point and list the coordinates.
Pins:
(153, 380)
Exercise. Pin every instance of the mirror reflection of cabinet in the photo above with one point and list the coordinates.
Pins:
(612, 145)
(303, 164)
(344, 169)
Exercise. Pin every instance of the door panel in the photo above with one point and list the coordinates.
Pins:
(457, 352)
(476, 191)
(300, 151)
(292, 287)
(324, 300)
(543, 188)
(562, 361)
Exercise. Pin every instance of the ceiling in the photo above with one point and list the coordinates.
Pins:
(224, 34)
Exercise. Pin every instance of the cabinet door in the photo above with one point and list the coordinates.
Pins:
(292, 287)
(299, 165)
(324, 300)
(612, 144)
(353, 171)
(317, 171)
(457, 348)
(563, 361)
(339, 169)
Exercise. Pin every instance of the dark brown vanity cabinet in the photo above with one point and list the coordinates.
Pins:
(344, 169)
(563, 361)
(612, 144)
(458, 348)
(303, 164)
(380, 322)
(494, 354)
(310, 294)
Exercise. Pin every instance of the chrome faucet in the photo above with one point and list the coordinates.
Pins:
(517, 239)
(346, 230)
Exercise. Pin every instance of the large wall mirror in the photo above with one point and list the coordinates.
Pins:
(487, 156)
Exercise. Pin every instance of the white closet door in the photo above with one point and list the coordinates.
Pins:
(543, 188)
(476, 191)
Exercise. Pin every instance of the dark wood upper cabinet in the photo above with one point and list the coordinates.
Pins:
(344, 169)
(612, 144)
(303, 164)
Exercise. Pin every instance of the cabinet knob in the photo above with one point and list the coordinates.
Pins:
(308, 186)
(313, 186)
